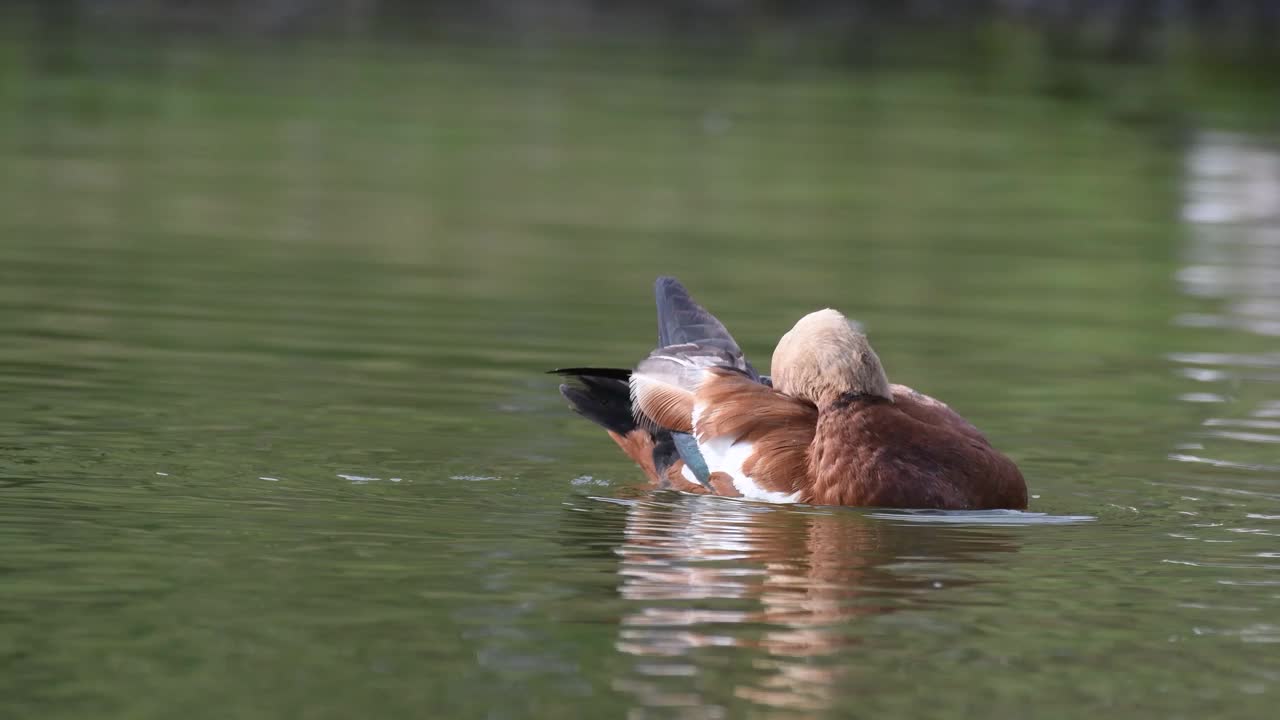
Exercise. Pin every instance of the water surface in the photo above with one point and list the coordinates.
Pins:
(275, 439)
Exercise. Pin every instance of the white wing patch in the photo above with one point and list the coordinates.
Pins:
(728, 455)
(687, 474)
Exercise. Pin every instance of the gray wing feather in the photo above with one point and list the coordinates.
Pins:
(682, 365)
(683, 323)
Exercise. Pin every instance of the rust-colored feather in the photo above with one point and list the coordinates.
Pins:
(660, 404)
(663, 384)
(779, 427)
(638, 445)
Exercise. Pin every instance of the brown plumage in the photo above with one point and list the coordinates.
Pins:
(639, 444)
(779, 427)
(829, 430)
(868, 451)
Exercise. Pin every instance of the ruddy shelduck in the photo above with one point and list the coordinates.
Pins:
(827, 428)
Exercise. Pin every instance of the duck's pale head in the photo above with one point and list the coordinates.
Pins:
(824, 357)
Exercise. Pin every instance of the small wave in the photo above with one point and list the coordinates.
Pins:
(364, 479)
(982, 517)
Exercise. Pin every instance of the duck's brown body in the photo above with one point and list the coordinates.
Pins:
(871, 452)
(833, 431)
(913, 452)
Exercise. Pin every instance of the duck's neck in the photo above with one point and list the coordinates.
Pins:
(850, 398)
(844, 440)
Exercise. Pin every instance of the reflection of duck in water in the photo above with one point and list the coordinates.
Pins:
(827, 429)
(783, 589)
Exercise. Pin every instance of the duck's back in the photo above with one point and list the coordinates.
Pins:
(909, 453)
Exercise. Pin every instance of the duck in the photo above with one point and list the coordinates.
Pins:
(826, 427)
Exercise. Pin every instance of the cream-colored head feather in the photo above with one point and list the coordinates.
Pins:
(824, 357)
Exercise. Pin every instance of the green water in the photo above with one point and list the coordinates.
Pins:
(276, 441)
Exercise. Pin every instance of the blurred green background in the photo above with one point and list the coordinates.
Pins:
(279, 282)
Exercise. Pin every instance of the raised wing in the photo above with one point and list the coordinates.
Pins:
(683, 322)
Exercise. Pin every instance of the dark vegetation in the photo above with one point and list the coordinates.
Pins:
(1119, 29)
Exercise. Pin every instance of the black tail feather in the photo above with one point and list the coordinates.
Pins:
(602, 395)
(614, 373)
